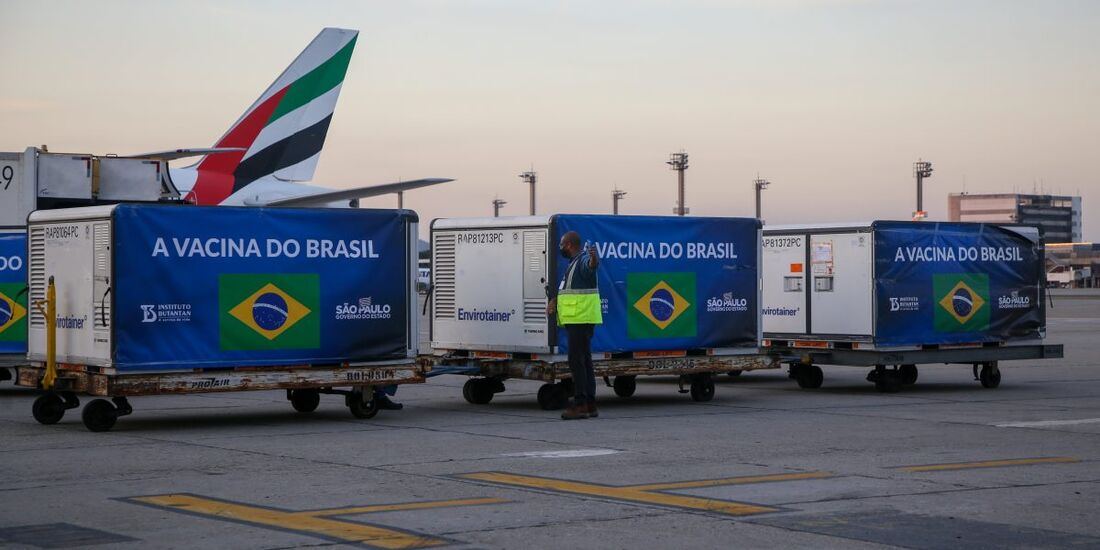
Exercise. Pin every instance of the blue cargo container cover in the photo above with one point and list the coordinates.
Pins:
(226, 287)
(669, 283)
(13, 298)
(952, 283)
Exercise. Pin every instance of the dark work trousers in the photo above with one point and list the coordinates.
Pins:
(580, 362)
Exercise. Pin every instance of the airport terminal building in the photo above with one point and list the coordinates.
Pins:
(1058, 215)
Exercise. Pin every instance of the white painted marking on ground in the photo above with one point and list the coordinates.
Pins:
(1043, 423)
(571, 453)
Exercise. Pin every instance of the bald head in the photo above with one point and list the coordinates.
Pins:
(570, 244)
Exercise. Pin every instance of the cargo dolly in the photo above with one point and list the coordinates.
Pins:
(895, 368)
(304, 386)
(489, 370)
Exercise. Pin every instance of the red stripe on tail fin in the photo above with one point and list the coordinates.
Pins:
(214, 183)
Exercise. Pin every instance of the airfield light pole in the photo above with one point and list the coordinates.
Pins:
(497, 203)
(400, 199)
(921, 169)
(530, 177)
(679, 163)
(760, 185)
(616, 196)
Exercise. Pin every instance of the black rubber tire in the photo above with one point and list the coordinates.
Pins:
(99, 415)
(990, 376)
(889, 382)
(5, 374)
(478, 391)
(810, 377)
(702, 388)
(305, 401)
(48, 408)
(908, 374)
(625, 386)
(735, 373)
(362, 410)
(552, 397)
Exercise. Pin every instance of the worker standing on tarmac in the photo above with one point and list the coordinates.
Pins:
(577, 304)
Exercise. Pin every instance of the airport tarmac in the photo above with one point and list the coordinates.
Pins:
(944, 463)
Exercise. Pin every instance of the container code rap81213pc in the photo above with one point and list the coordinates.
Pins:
(176, 299)
(680, 296)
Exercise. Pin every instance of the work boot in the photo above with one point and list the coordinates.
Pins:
(575, 412)
(592, 412)
(387, 404)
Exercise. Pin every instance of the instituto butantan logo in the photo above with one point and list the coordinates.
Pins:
(271, 311)
(663, 305)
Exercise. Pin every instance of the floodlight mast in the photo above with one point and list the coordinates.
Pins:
(921, 169)
(679, 163)
(497, 204)
(759, 185)
(530, 177)
(616, 196)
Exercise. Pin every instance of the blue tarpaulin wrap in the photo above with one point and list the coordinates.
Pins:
(951, 283)
(670, 283)
(13, 299)
(226, 287)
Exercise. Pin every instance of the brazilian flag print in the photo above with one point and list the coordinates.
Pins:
(13, 313)
(661, 305)
(269, 311)
(963, 302)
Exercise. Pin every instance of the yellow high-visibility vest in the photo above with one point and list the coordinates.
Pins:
(577, 306)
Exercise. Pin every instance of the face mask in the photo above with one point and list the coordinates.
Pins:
(564, 253)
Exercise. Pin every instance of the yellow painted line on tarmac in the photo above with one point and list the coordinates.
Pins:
(314, 522)
(987, 464)
(730, 481)
(628, 494)
(407, 506)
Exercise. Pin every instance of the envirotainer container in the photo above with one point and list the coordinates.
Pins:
(666, 283)
(156, 288)
(896, 284)
(13, 298)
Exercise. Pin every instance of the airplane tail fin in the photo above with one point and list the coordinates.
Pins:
(282, 133)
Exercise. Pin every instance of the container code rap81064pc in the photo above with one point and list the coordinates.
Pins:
(679, 296)
(150, 299)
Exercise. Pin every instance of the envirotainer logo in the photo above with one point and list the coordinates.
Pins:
(13, 324)
(963, 302)
(662, 305)
(269, 311)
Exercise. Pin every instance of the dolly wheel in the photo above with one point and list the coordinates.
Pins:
(908, 374)
(735, 373)
(99, 415)
(625, 386)
(360, 409)
(305, 401)
(702, 388)
(478, 391)
(552, 396)
(990, 375)
(810, 377)
(49, 408)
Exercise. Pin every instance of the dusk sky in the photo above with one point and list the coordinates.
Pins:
(831, 100)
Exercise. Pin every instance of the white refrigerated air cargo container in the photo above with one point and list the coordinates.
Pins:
(902, 293)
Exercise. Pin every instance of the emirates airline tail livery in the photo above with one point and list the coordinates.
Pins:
(274, 146)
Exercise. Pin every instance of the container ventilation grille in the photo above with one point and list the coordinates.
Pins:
(101, 285)
(36, 273)
(443, 276)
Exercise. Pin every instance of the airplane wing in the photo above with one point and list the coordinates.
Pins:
(324, 197)
(173, 154)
